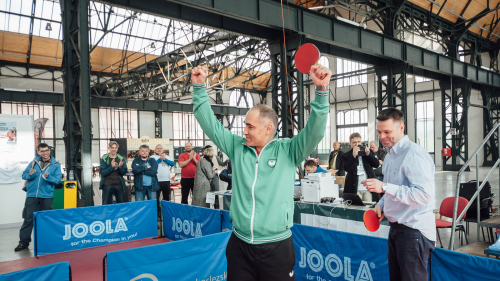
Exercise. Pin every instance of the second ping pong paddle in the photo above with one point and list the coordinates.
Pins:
(306, 56)
(371, 220)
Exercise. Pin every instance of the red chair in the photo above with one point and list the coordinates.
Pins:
(446, 210)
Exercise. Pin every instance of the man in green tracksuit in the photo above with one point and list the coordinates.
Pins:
(263, 167)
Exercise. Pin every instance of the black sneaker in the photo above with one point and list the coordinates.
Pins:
(20, 247)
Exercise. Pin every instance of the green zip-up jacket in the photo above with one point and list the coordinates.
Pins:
(262, 197)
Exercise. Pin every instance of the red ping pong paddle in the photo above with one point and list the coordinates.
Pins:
(306, 56)
(371, 220)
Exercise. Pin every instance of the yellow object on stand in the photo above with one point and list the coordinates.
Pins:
(70, 194)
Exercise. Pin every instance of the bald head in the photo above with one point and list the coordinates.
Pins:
(336, 145)
(159, 149)
(373, 146)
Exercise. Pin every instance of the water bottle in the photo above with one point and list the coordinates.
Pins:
(71, 176)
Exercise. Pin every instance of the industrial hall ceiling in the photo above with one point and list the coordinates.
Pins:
(129, 45)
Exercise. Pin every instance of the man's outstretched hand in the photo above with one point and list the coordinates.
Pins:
(199, 74)
(320, 75)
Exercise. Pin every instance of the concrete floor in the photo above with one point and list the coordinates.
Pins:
(445, 187)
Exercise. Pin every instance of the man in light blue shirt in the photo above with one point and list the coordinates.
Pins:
(408, 201)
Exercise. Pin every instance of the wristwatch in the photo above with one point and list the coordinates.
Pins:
(322, 88)
(384, 186)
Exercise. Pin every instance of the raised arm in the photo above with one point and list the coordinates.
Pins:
(222, 138)
(26, 174)
(55, 175)
(169, 161)
(220, 162)
(304, 143)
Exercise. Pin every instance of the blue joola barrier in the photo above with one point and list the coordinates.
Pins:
(53, 272)
(200, 259)
(72, 229)
(182, 221)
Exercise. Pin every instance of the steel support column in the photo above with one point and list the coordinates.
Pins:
(158, 132)
(76, 73)
(491, 115)
(392, 91)
(455, 96)
(494, 60)
(287, 87)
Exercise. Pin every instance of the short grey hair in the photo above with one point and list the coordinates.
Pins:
(144, 146)
(111, 143)
(266, 112)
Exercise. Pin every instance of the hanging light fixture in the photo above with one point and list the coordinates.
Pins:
(48, 27)
(153, 45)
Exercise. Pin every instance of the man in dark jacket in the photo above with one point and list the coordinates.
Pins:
(145, 179)
(380, 154)
(112, 169)
(359, 168)
(335, 160)
(42, 174)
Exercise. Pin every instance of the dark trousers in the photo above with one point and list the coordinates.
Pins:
(409, 253)
(186, 186)
(32, 205)
(109, 190)
(270, 261)
(165, 190)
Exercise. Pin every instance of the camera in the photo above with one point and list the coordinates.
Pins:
(361, 151)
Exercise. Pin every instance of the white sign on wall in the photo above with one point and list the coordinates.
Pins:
(17, 146)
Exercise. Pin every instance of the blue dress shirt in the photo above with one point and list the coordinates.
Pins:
(409, 198)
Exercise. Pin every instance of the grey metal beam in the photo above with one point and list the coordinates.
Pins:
(248, 17)
(287, 87)
(28, 96)
(76, 75)
(455, 95)
(441, 25)
(392, 91)
(491, 115)
(197, 14)
(57, 99)
(32, 22)
(158, 122)
(166, 106)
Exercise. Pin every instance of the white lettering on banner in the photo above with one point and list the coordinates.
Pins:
(215, 278)
(334, 266)
(187, 227)
(96, 228)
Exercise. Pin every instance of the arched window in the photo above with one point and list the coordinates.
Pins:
(347, 66)
(324, 62)
(240, 98)
(351, 121)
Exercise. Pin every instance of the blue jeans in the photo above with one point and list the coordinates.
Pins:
(140, 195)
(409, 252)
(109, 190)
